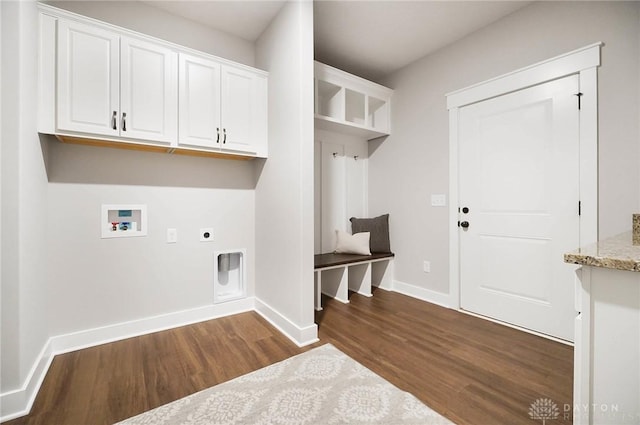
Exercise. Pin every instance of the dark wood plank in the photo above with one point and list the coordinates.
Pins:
(468, 369)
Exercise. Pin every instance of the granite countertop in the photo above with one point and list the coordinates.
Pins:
(617, 252)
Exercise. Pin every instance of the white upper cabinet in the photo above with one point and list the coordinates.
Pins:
(100, 83)
(222, 106)
(199, 95)
(350, 104)
(244, 110)
(115, 86)
(88, 79)
(148, 91)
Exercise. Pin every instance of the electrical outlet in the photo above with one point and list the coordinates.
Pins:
(172, 235)
(426, 266)
(206, 234)
(439, 200)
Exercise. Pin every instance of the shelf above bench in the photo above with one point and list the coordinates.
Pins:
(349, 104)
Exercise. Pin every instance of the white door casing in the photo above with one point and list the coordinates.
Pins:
(583, 62)
(518, 175)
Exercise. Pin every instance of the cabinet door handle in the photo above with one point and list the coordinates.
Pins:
(124, 121)
(224, 140)
(218, 132)
(114, 121)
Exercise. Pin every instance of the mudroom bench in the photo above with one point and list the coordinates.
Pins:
(336, 274)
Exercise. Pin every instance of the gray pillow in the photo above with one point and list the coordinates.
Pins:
(379, 229)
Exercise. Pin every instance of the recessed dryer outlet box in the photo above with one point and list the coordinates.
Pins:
(206, 234)
(229, 274)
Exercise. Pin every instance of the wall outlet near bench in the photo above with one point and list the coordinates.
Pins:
(439, 200)
(426, 266)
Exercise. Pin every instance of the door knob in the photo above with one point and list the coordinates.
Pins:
(464, 224)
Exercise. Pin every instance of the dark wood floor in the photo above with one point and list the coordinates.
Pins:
(468, 369)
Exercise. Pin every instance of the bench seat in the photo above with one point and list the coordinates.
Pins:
(336, 274)
(325, 261)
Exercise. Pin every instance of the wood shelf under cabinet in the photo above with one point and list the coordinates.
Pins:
(349, 104)
(149, 148)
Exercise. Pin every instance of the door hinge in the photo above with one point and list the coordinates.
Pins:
(579, 208)
(579, 95)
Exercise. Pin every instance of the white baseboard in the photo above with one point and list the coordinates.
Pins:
(97, 336)
(300, 336)
(423, 294)
(16, 403)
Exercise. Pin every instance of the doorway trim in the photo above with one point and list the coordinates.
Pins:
(584, 62)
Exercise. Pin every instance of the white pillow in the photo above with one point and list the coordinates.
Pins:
(352, 244)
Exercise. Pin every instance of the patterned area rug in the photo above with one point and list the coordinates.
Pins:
(321, 386)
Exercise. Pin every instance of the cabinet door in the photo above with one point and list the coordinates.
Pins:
(149, 91)
(199, 102)
(243, 110)
(88, 79)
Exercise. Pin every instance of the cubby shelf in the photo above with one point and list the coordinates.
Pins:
(350, 104)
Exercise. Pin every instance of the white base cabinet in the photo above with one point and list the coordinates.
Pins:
(607, 347)
(109, 85)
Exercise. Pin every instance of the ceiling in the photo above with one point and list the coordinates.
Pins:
(246, 19)
(367, 38)
(375, 38)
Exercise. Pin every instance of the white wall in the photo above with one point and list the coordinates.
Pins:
(24, 200)
(142, 17)
(343, 196)
(412, 163)
(58, 275)
(284, 190)
(98, 282)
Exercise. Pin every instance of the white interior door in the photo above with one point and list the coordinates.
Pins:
(519, 179)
